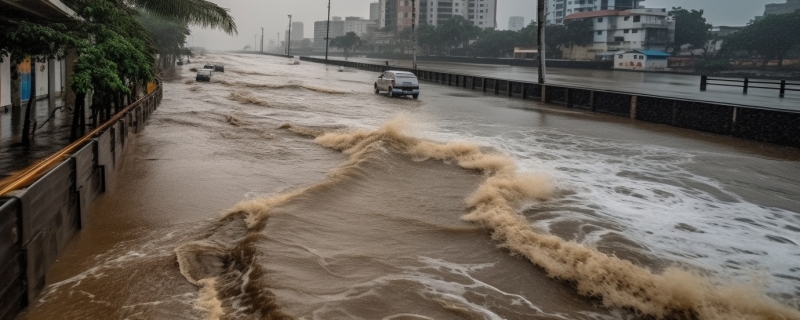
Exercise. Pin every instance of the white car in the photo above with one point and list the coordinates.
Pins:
(398, 83)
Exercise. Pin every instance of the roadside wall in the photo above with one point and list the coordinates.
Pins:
(36, 223)
(761, 124)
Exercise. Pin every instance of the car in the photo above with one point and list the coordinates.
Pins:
(219, 67)
(203, 75)
(397, 83)
(208, 66)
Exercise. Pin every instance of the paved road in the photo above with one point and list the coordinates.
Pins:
(657, 84)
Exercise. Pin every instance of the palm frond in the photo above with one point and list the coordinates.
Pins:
(198, 12)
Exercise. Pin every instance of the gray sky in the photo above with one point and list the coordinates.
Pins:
(252, 15)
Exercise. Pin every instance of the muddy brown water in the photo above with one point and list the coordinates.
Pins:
(292, 191)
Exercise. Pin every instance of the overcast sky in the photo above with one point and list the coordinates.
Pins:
(252, 15)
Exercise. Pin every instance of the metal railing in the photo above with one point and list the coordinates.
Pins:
(781, 85)
(29, 175)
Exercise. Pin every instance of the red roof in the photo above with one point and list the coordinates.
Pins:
(595, 14)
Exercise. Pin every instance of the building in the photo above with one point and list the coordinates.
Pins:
(780, 8)
(52, 76)
(516, 23)
(614, 31)
(320, 29)
(481, 13)
(557, 10)
(641, 60)
(357, 25)
(297, 31)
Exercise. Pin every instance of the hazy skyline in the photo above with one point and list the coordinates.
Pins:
(252, 15)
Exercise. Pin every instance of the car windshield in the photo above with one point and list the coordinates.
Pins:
(409, 76)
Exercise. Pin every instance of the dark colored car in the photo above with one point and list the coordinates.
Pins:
(208, 66)
(203, 75)
(219, 68)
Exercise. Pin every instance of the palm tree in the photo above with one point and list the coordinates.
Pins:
(197, 12)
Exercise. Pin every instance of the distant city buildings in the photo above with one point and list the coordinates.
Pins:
(557, 10)
(481, 13)
(358, 25)
(780, 8)
(623, 30)
(516, 23)
(321, 28)
(297, 31)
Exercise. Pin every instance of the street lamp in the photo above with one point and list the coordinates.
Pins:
(289, 40)
(327, 32)
(540, 10)
(262, 40)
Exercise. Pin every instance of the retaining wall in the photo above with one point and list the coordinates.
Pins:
(36, 223)
(749, 122)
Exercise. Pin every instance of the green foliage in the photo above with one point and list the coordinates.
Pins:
(572, 32)
(690, 28)
(39, 40)
(771, 37)
(493, 43)
(713, 66)
(198, 12)
(348, 42)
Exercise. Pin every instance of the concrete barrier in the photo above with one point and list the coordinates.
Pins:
(13, 289)
(38, 221)
(749, 122)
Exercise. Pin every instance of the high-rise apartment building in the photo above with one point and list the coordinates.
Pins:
(516, 23)
(377, 13)
(481, 13)
(558, 9)
(780, 8)
(321, 28)
(297, 31)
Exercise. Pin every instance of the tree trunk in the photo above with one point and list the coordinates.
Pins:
(77, 114)
(26, 127)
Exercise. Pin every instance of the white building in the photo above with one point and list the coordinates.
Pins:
(557, 10)
(516, 23)
(641, 60)
(320, 29)
(377, 13)
(357, 25)
(614, 31)
(481, 13)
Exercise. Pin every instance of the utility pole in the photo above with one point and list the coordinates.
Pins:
(328, 32)
(255, 42)
(414, 32)
(279, 42)
(540, 10)
(262, 40)
(289, 41)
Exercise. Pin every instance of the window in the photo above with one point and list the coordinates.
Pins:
(599, 19)
(627, 18)
(637, 19)
(621, 56)
(635, 30)
(600, 33)
(627, 31)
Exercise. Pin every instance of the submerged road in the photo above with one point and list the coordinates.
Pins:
(646, 83)
(294, 190)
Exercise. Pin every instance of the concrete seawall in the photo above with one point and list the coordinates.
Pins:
(37, 222)
(755, 123)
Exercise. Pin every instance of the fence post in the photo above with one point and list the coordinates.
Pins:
(510, 88)
(703, 83)
(496, 86)
(783, 88)
(746, 83)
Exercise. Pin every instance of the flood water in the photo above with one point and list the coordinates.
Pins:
(292, 191)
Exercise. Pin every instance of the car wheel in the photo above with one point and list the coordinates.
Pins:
(389, 92)
(415, 96)
(377, 91)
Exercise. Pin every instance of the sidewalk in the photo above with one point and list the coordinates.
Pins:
(49, 136)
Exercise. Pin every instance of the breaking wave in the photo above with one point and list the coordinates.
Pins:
(223, 263)
(247, 98)
(241, 84)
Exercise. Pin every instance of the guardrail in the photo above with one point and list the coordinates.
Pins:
(780, 85)
(43, 206)
(748, 122)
